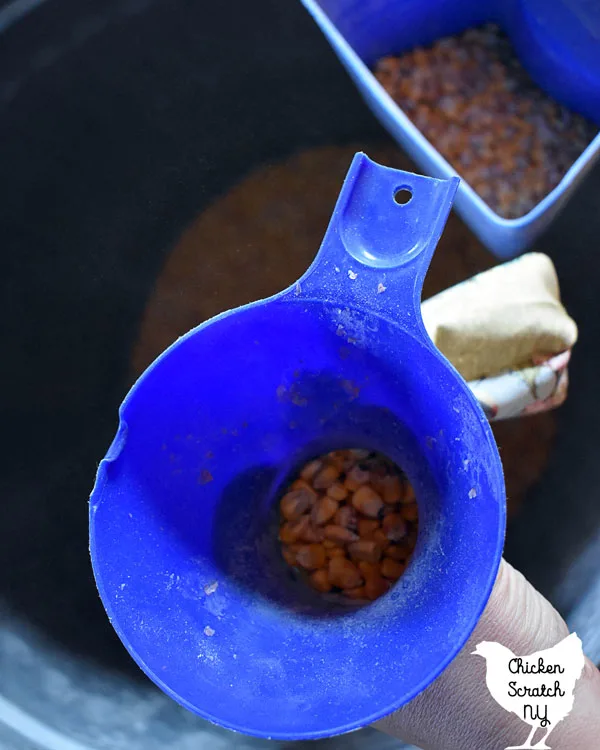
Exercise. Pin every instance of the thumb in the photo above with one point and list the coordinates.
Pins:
(458, 712)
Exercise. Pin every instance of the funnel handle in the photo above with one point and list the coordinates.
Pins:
(377, 248)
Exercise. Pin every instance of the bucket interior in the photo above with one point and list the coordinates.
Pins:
(109, 150)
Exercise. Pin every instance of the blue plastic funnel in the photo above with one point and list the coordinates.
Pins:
(183, 517)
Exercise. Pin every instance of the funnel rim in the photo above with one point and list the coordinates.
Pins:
(483, 591)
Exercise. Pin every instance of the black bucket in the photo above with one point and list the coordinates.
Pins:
(119, 123)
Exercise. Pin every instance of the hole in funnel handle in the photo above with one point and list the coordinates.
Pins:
(403, 195)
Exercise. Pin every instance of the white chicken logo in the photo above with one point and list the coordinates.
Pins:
(538, 688)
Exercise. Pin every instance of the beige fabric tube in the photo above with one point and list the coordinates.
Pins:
(503, 319)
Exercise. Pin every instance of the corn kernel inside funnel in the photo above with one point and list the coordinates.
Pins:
(349, 522)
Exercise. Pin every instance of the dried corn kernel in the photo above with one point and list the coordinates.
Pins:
(338, 459)
(307, 531)
(347, 522)
(320, 580)
(376, 586)
(346, 516)
(391, 489)
(394, 527)
(368, 568)
(365, 550)
(323, 510)
(344, 574)
(357, 593)
(302, 484)
(355, 478)
(295, 503)
(287, 534)
(311, 556)
(366, 528)
(337, 491)
(326, 477)
(380, 537)
(391, 568)
(367, 501)
(311, 468)
(340, 534)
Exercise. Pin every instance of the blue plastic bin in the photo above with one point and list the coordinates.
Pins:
(361, 32)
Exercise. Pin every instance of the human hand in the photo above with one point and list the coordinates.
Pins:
(457, 712)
